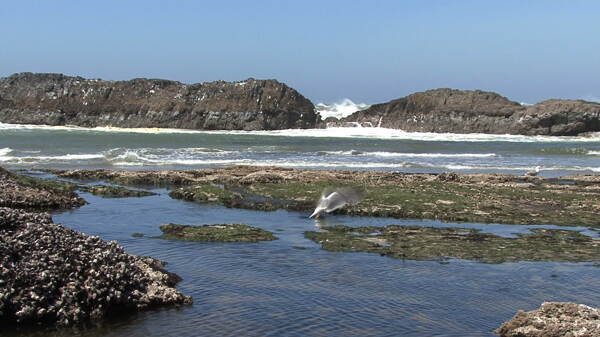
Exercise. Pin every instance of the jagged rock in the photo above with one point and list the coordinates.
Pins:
(53, 275)
(554, 319)
(468, 111)
(56, 99)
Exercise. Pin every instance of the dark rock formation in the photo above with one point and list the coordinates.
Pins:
(50, 274)
(456, 111)
(554, 319)
(55, 99)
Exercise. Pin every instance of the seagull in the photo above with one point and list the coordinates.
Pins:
(332, 199)
(533, 172)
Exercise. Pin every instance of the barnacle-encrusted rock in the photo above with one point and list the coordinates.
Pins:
(50, 274)
(18, 191)
(554, 319)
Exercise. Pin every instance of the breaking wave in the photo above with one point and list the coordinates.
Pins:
(341, 109)
(408, 155)
(336, 132)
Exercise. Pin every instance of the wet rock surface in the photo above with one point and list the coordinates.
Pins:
(554, 319)
(440, 244)
(56, 99)
(468, 111)
(114, 191)
(215, 233)
(18, 191)
(54, 275)
(487, 198)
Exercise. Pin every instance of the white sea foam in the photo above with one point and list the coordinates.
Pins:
(338, 132)
(341, 109)
(5, 151)
(66, 157)
(593, 153)
(410, 155)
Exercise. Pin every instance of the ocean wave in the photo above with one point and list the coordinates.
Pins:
(66, 157)
(593, 153)
(337, 132)
(341, 109)
(408, 155)
(5, 151)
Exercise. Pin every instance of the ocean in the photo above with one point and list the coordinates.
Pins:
(27, 147)
(290, 287)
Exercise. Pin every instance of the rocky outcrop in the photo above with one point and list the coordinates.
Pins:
(457, 111)
(17, 191)
(554, 319)
(53, 275)
(56, 99)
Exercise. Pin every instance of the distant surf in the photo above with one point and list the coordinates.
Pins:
(341, 109)
(336, 132)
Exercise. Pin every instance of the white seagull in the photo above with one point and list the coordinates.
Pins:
(332, 199)
(533, 172)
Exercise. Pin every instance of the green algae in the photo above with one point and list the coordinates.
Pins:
(45, 184)
(114, 191)
(215, 233)
(446, 201)
(441, 244)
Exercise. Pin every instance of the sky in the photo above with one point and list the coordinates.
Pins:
(369, 51)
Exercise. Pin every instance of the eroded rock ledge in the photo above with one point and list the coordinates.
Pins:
(554, 319)
(56, 99)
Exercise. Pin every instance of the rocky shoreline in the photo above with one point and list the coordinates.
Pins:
(51, 275)
(55, 276)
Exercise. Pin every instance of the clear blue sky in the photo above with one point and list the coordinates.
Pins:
(369, 51)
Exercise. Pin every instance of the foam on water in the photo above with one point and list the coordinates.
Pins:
(409, 155)
(5, 151)
(336, 132)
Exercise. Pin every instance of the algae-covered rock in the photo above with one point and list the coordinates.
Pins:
(483, 198)
(439, 244)
(24, 192)
(215, 233)
(114, 191)
(554, 319)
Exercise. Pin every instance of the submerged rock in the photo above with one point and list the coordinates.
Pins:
(439, 244)
(468, 111)
(114, 191)
(554, 319)
(53, 275)
(56, 99)
(216, 233)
